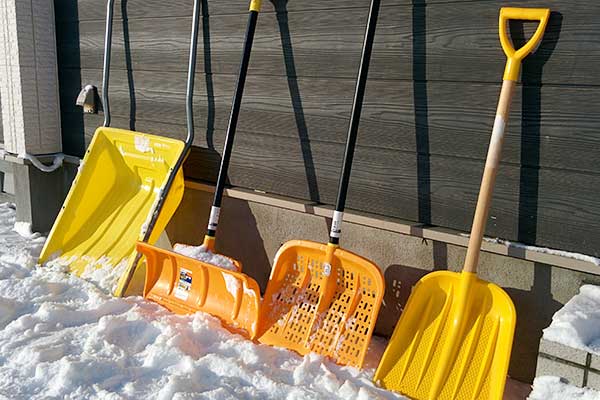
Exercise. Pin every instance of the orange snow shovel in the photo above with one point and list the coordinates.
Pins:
(454, 338)
(186, 285)
(321, 298)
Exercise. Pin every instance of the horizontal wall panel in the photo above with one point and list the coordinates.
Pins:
(553, 128)
(398, 184)
(67, 10)
(304, 44)
(429, 107)
(387, 183)
(442, 45)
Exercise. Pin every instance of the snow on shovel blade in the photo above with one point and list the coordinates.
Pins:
(185, 285)
(453, 340)
(112, 197)
(296, 313)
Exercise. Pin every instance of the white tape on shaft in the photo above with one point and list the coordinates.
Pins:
(336, 224)
(213, 221)
(497, 137)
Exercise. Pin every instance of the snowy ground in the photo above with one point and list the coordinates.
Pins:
(63, 337)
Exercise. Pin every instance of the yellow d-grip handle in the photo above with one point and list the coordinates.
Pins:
(255, 5)
(513, 64)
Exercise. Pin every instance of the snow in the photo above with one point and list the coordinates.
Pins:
(103, 272)
(200, 253)
(65, 337)
(553, 388)
(23, 229)
(577, 324)
(544, 250)
(232, 284)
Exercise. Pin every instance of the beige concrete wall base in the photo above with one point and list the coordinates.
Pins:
(254, 225)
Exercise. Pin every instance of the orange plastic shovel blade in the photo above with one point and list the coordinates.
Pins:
(453, 340)
(185, 285)
(343, 329)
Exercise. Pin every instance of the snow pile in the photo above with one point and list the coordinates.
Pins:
(23, 229)
(577, 324)
(18, 246)
(200, 253)
(104, 273)
(552, 388)
(64, 337)
(100, 271)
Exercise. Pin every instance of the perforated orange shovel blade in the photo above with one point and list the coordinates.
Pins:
(297, 314)
(185, 285)
(453, 340)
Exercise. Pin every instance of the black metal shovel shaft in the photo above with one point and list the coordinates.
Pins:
(189, 114)
(359, 95)
(233, 120)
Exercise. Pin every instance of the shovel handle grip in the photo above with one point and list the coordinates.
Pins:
(513, 64)
(255, 5)
(511, 74)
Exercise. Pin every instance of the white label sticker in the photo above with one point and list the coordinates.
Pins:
(336, 224)
(326, 269)
(182, 291)
(142, 144)
(213, 221)
(497, 137)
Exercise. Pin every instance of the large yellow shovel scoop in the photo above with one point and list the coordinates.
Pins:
(321, 298)
(454, 338)
(127, 189)
(122, 176)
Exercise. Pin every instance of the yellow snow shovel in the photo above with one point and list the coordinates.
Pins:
(128, 187)
(454, 338)
(185, 285)
(321, 298)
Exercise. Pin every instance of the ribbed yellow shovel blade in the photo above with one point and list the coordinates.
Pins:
(453, 340)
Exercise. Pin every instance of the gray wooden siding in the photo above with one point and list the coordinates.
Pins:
(428, 111)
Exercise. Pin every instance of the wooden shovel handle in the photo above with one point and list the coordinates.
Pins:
(489, 177)
(513, 64)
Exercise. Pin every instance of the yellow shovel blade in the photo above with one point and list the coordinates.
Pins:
(453, 340)
(185, 285)
(112, 198)
(293, 312)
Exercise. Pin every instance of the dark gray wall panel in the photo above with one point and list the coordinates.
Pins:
(326, 43)
(458, 116)
(428, 111)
